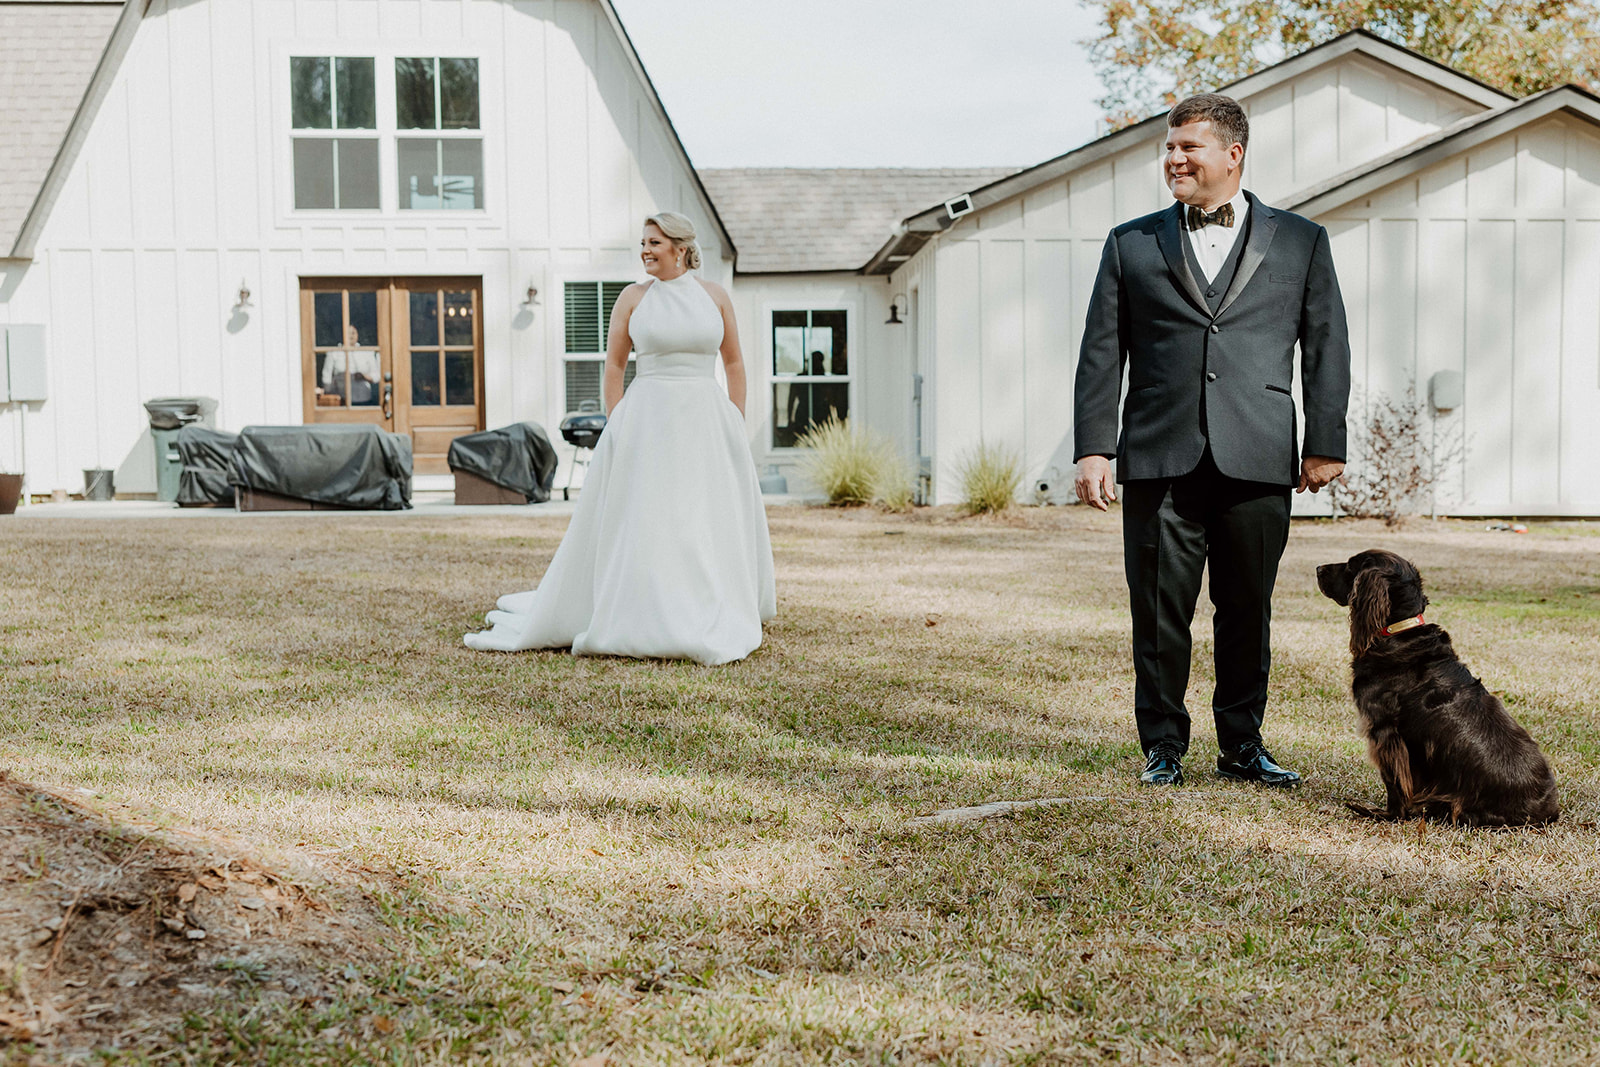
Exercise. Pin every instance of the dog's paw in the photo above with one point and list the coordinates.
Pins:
(1367, 811)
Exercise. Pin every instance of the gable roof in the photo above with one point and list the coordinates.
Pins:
(1451, 141)
(797, 219)
(916, 230)
(48, 55)
(57, 62)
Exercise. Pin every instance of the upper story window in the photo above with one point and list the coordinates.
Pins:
(334, 166)
(443, 171)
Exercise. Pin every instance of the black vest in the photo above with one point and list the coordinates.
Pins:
(1217, 288)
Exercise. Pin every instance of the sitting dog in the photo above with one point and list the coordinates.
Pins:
(1444, 744)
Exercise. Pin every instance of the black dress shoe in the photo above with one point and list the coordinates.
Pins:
(1253, 763)
(1163, 766)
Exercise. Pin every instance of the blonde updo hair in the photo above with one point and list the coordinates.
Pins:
(680, 231)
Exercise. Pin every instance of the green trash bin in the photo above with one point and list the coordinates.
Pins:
(168, 415)
(169, 468)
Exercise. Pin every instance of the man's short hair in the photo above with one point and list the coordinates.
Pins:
(1227, 118)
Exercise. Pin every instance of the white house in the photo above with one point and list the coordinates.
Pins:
(416, 212)
(1464, 228)
(406, 212)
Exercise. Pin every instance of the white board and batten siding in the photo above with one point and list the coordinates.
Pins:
(1014, 279)
(184, 188)
(1488, 263)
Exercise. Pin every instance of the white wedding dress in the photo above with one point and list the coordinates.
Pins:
(667, 554)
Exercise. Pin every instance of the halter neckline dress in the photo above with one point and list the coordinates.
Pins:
(667, 554)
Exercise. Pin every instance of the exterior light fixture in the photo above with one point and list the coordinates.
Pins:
(532, 299)
(244, 296)
(894, 318)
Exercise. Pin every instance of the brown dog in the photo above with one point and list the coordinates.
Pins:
(1444, 744)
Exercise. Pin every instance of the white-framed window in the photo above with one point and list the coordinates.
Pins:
(350, 144)
(444, 170)
(587, 313)
(332, 97)
(810, 371)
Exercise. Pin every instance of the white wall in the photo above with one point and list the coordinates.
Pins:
(880, 389)
(1489, 264)
(184, 187)
(1015, 278)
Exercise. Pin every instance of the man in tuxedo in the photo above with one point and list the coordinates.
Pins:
(1203, 305)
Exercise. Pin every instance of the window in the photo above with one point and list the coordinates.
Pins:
(810, 372)
(329, 96)
(443, 347)
(588, 322)
(443, 172)
(348, 357)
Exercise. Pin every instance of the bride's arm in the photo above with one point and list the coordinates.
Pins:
(618, 345)
(732, 355)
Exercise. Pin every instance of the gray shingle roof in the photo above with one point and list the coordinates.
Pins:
(803, 219)
(48, 51)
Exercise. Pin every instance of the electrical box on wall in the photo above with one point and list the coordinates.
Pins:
(1446, 390)
(26, 380)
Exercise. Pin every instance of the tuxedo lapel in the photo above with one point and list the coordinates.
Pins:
(1169, 235)
(1263, 224)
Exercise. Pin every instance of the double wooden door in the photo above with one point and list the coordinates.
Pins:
(405, 354)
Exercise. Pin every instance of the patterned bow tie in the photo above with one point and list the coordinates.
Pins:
(1199, 217)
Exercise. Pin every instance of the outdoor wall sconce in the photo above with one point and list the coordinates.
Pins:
(894, 318)
(244, 297)
(532, 299)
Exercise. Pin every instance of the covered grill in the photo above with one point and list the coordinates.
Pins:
(581, 429)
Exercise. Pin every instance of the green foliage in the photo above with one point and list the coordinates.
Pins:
(989, 476)
(1152, 53)
(853, 466)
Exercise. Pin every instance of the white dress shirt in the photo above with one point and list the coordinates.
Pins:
(1212, 244)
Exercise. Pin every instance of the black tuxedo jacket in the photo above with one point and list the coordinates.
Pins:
(1195, 376)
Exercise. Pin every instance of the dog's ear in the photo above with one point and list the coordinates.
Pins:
(1369, 609)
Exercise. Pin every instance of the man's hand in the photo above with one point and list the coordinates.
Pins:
(1318, 471)
(1095, 485)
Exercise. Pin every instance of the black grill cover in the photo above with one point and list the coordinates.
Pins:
(346, 466)
(205, 455)
(518, 457)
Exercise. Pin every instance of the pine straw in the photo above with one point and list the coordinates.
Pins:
(666, 863)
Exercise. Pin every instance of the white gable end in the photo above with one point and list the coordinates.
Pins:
(185, 186)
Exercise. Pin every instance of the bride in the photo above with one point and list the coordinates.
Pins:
(667, 553)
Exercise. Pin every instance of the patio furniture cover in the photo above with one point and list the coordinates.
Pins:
(205, 455)
(345, 466)
(518, 457)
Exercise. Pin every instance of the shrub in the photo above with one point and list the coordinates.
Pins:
(1399, 459)
(897, 490)
(854, 467)
(989, 477)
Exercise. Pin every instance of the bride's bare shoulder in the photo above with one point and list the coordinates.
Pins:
(718, 293)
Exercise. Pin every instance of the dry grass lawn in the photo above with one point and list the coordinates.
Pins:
(626, 862)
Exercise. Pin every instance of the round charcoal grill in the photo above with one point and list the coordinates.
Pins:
(581, 430)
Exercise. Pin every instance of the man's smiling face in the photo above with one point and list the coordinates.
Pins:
(1198, 167)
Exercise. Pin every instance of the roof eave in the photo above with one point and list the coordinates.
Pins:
(1451, 141)
(936, 219)
(94, 95)
(661, 113)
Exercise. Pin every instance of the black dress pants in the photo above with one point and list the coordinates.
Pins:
(1171, 529)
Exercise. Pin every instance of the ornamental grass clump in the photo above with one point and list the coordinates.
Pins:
(852, 466)
(989, 476)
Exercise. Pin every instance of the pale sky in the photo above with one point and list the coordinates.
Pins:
(870, 83)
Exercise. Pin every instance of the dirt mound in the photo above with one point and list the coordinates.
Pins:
(110, 934)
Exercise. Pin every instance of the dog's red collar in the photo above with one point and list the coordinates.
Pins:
(1404, 624)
